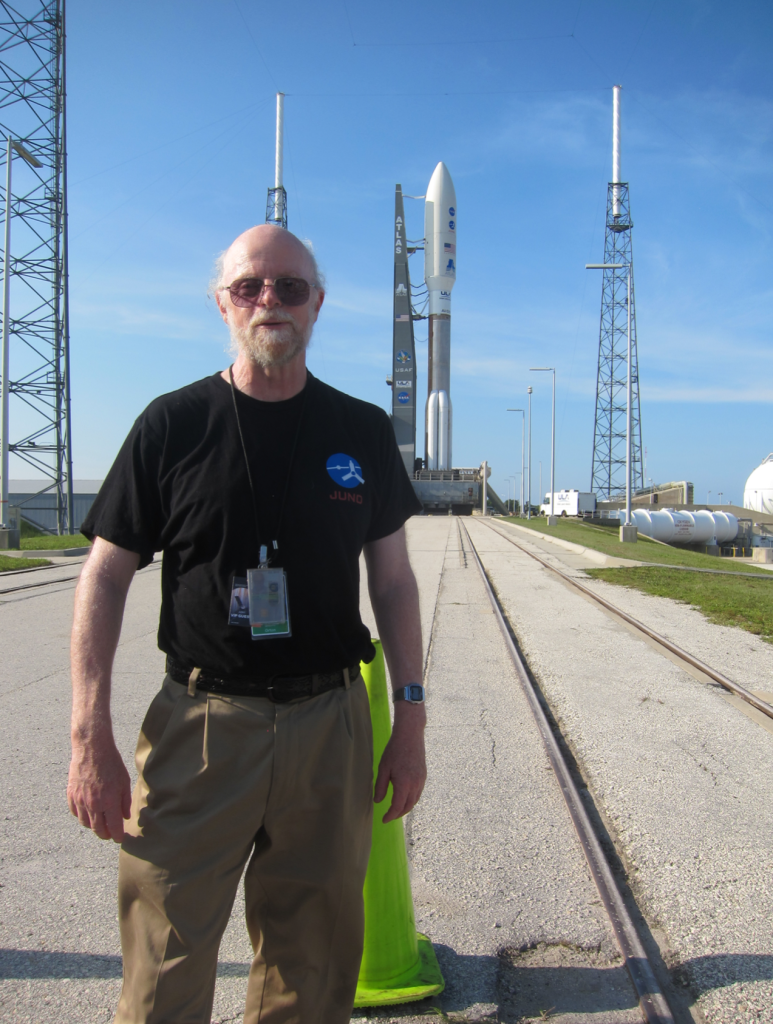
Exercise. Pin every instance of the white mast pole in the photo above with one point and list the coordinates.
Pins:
(616, 148)
(280, 128)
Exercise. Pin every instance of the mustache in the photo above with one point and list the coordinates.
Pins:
(265, 316)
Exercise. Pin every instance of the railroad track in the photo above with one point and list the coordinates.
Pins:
(49, 582)
(662, 641)
(652, 1002)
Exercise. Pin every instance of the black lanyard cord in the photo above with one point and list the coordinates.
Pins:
(247, 463)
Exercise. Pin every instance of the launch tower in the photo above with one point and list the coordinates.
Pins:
(33, 158)
(403, 376)
(610, 428)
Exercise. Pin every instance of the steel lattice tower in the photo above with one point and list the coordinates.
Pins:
(32, 112)
(610, 428)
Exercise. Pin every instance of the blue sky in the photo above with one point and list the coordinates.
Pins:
(171, 122)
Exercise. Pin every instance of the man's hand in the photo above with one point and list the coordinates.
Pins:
(402, 762)
(99, 789)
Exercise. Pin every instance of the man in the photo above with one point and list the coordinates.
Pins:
(257, 752)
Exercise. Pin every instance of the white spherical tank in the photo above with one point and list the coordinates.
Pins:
(758, 492)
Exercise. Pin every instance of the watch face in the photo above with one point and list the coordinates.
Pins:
(416, 692)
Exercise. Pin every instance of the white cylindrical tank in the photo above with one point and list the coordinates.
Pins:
(442, 430)
(758, 492)
(672, 527)
(432, 438)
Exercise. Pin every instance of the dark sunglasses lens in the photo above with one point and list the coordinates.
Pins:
(246, 292)
(292, 291)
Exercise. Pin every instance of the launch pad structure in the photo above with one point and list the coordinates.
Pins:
(36, 424)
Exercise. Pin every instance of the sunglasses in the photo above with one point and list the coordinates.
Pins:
(291, 291)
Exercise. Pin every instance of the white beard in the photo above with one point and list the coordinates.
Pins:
(268, 347)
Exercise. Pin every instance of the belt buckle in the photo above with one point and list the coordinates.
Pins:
(275, 698)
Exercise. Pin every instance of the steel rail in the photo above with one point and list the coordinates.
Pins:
(685, 656)
(652, 1002)
(39, 568)
(42, 583)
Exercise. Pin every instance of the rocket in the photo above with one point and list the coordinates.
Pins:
(440, 276)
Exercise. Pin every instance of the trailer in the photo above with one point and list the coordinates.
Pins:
(569, 503)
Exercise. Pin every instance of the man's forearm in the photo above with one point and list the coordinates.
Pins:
(100, 599)
(399, 627)
(98, 790)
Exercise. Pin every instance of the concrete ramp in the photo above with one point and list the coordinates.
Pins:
(496, 501)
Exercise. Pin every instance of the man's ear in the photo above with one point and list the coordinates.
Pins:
(222, 307)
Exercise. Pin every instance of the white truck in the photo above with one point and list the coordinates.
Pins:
(569, 503)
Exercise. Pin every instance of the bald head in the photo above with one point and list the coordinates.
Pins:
(271, 331)
(266, 244)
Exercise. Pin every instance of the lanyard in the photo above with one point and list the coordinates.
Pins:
(262, 551)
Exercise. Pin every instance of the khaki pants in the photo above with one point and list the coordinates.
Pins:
(285, 789)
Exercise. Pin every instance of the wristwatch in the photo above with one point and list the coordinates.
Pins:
(413, 693)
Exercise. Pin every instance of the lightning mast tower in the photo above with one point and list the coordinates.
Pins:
(276, 205)
(36, 356)
(610, 428)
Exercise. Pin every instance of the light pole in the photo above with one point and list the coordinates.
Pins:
(720, 493)
(13, 147)
(626, 533)
(523, 442)
(528, 512)
(551, 369)
(508, 488)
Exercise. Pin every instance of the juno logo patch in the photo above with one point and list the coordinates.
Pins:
(345, 470)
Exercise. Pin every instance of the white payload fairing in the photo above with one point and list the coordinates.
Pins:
(440, 276)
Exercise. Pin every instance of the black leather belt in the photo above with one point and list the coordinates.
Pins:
(278, 689)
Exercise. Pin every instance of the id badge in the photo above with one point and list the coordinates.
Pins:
(239, 609)
(269, 613)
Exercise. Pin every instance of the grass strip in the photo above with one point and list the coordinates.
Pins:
(8, 563)
(605, 539)
(722, 599)
(49, 542)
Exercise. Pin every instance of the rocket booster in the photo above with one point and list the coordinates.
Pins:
(440, 277)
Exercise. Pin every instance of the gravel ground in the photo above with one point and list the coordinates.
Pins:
(683, 778)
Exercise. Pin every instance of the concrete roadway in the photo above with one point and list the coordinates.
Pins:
(495, 863)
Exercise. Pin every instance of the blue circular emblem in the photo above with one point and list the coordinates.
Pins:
(451, 210)
(403, 356)
(403, 397)
(344, 470)
(451, 225)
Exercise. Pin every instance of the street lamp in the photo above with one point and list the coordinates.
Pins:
(513, 477)
(13, 147)
(523, 440)
(629, 426)
(551, 369)
(528, 513)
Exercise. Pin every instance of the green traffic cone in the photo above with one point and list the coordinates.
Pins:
(398, 964)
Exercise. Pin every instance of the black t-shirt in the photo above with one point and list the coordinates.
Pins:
(179, 485)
